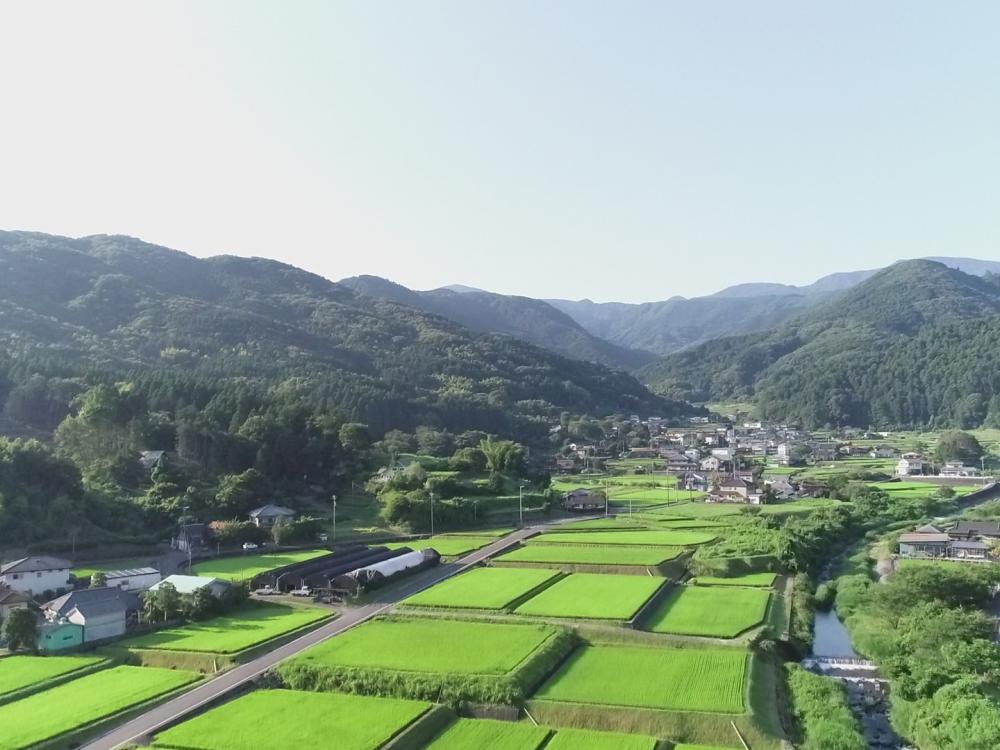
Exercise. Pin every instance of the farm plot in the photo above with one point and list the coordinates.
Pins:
(697, 510)
(484, 734)
(20, 672)
(571, 554)
(81, 703)
(663, 678)
(233, 633)
(689, 523)
(709, 611)
(350, 722)
(447, 546)
(657, 538)
(432, 645)
(651, 495)
(588, 739)
(245, 567)
(753, 580)
(484, 588)
(593, 596)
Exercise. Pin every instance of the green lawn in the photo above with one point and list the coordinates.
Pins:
(246, 627)
(484, 734)
(86, 570)
(431, 645)
(588, 739)
(483, 588)
(663, 678)
(245, 567)
(83, 702)
(720, 612)
(665, 538)
(447, 546)
(611, 554)
(593, 596)
(19, 672)
(756, 580)
(283, 719)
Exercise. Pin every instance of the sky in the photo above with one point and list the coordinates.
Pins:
(625, 151)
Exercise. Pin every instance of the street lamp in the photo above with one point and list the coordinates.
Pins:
(520, 504)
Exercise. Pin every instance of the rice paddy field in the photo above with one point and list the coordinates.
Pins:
(588, 739)
(81, 703)
(593, 596)
(247, 627)
(20, 672)
(696, 510)
(484, 588)
(666, 538)
(282, 719)
(753, 580)
(710, 611)
(573, 554)
(245, 567)
(484, 734)
(431, 645)
(447, 546)
(675, 679)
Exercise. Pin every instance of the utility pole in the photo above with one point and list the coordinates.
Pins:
(334, 498)
(432, 514)
(520, 505)
(607, 497)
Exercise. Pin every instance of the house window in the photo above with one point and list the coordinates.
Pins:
(38, 574)
(17, 576)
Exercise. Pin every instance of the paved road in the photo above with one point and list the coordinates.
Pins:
(156, 719)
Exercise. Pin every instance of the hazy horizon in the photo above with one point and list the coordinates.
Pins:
(568, 150)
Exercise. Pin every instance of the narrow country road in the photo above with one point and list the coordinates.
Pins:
(156, 719)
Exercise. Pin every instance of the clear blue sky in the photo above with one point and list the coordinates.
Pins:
(627, 151)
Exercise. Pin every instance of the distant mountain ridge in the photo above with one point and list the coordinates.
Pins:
(911, 346)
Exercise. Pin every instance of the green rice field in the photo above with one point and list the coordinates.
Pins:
(447, 546)
(81, 703)
(484, 588)
(697, 510)
(663, 678)
(282, 719)
(589, 739)
(754, 580)
(719, 612)
(593, 596)
(431, 645)
(571, 554)
(20, 672)
(245, 567)
(689, 523)
(686, 746)
(484, 734)
(664, 538)
(790, 507)
(246, 627)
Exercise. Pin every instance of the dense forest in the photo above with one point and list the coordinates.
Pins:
(913, 346)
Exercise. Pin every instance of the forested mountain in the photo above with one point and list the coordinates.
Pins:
(532, 320)
(914, 345)
(109, 306)
(677, 323)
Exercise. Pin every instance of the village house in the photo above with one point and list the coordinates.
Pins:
(710, 463)
(882, 451)
(132, 579)
(189, 537)
(268, 515)
(926, 541)
(736, 486)
(780, 487)
(582, 499)
(825, 450)
(190, 584)
(103, 613)
(910, 464)
(61, 635)
(35, 575)
(641, 453)
(11, 599)
(964, 542)
(958, 469)
(785, 453)
(567, 465)
(694, 481)
(973, 530)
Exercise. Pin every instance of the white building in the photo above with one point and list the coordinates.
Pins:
(958, 469)
(132, 579)
(910, 464)
(102, 612)
(33, 575)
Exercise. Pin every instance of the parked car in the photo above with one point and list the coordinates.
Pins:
(249, 545)
(266, 591)
(302, 592)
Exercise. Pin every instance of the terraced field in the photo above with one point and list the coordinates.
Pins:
(235, 632)
(758, 580)
(572, 554)
(720, 612)
(82, 703)
(20, 672)
(664, 678)
(657, 538)
(484, 588)
(447, 546)
(245, 567)
(588, 739)
(593, 596)
(483, 734)
(431, 645)
(283, 719)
